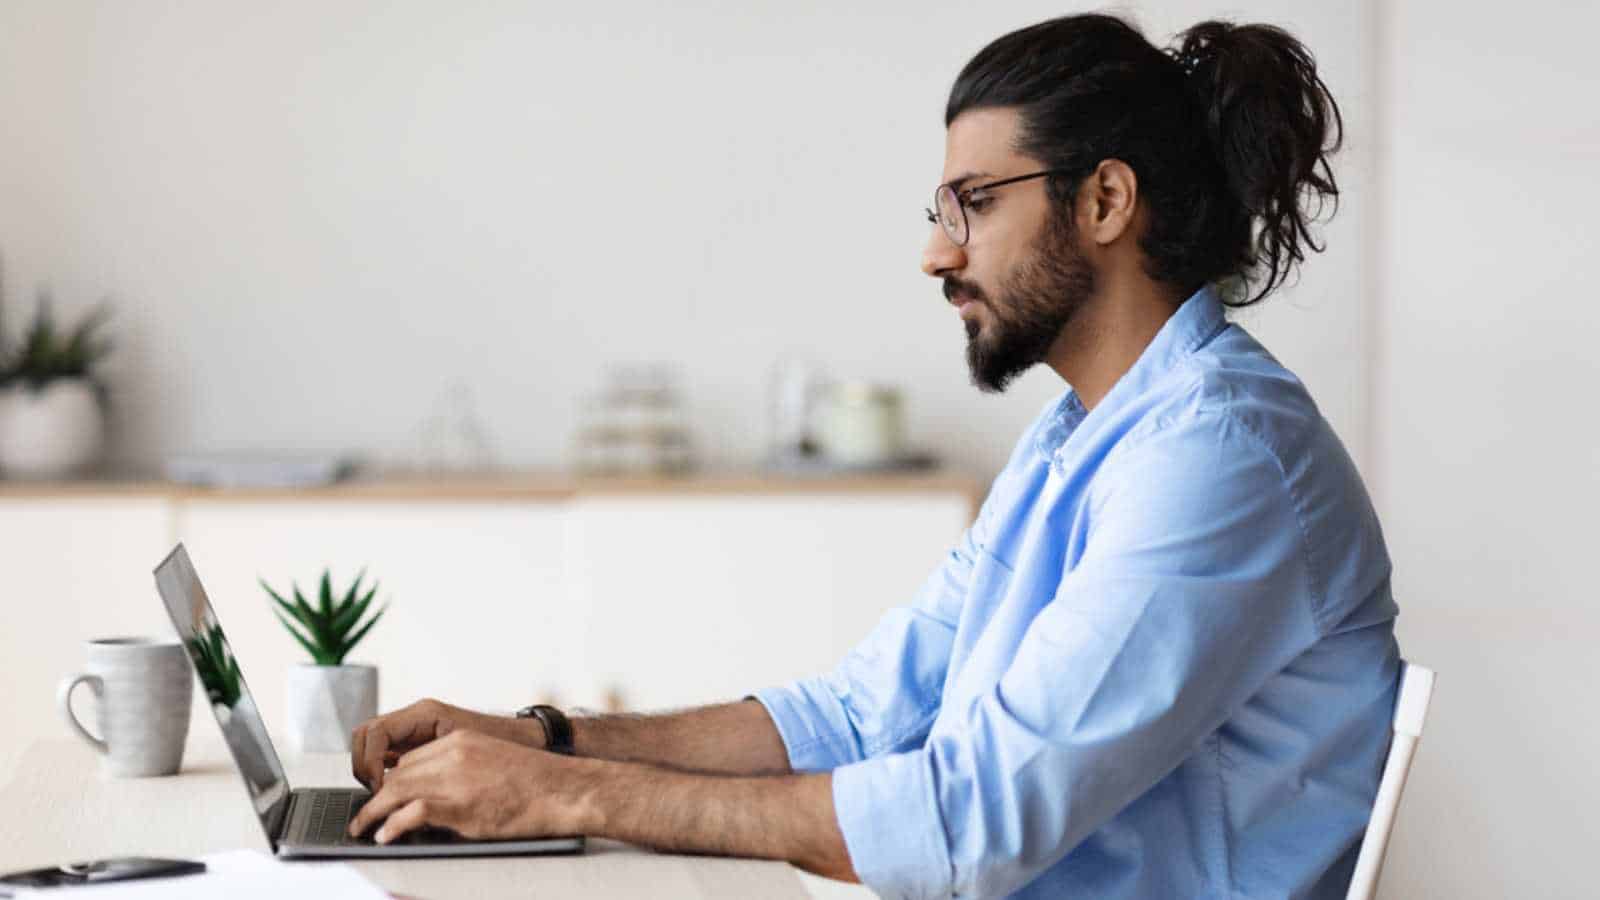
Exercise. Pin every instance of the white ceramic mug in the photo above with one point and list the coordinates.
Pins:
(144, 687)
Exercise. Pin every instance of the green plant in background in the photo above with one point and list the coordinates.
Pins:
(328, 630)
(46, 354)
(219, 673)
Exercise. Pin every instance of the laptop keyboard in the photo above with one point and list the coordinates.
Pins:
(331, 812)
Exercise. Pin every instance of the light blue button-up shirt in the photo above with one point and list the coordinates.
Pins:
(1160, 663)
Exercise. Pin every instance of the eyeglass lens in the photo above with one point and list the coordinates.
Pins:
(948, 206)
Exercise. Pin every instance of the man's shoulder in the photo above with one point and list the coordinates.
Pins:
(1238, 399)
(1228, 411)
(1233, 385)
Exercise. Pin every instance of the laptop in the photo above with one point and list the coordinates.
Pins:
(303, 822)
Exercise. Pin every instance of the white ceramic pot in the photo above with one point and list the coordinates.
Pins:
(53, 432)
(326, 703)
(859, 424)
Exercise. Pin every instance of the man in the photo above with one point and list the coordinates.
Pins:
(1160, 662)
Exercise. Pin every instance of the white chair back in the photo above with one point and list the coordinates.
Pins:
(1410, 712)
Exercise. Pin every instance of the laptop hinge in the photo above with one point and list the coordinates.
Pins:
(280, 829)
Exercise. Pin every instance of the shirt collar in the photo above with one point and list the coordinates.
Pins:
(1195, 322)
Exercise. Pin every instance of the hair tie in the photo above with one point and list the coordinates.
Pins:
(1194, 58)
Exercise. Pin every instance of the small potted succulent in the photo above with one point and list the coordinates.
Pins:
(327, 697)
(52, 410)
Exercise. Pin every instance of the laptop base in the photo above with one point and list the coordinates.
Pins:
(315, 829)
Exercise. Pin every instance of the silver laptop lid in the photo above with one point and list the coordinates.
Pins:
(224, 685)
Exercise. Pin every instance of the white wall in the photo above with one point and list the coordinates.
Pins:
(1485, 434)
(314, 216)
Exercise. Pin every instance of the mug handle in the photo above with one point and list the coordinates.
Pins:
(64, 700)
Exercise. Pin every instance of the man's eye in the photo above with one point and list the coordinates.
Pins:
(978, 202)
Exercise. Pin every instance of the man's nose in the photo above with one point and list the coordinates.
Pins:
(941, 254)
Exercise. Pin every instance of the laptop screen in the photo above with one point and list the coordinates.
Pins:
(224, 685)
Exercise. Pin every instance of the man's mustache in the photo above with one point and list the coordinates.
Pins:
(955, 287)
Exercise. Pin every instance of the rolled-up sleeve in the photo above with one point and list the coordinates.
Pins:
(1192, 590)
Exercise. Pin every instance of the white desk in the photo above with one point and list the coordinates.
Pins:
(58, 807)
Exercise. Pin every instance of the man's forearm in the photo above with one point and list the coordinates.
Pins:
(728, 739)
(788, 817)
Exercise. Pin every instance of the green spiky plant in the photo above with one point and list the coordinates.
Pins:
(329, 629)
(46, 354)
(219, 673)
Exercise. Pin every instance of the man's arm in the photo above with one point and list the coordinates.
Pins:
(726, 739)
(730, 739)
(484, 787)
(789, 817)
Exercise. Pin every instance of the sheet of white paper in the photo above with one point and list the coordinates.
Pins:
(237, 875)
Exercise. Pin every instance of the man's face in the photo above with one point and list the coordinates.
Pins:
(1019, 278)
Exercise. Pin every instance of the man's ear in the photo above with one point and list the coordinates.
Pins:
(1110, 196)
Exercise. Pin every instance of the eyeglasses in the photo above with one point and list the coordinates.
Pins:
(952, 204)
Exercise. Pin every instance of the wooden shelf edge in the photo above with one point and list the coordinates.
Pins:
(538, 485)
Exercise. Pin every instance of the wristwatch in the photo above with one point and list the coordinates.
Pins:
(557, 727)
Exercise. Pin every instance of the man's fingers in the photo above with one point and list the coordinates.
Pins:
(403, 786)
(376, 739)
(391, 797)
(410, 817)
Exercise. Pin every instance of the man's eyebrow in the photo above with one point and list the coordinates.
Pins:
(958, 181)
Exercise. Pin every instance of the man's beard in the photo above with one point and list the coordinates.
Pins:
(1036, 301)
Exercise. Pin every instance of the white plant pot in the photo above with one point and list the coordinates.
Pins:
(326, 703)
(52, 432)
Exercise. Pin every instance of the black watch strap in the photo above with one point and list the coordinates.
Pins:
(557, 727)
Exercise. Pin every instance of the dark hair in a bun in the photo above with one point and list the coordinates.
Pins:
(1229, 132)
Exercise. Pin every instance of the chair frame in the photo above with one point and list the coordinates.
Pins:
(1410, 713)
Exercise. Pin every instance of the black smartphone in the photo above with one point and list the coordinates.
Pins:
(100, 871)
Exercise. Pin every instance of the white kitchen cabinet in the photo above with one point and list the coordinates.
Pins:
(71, 568)
(689, 600)
(502, 592)
(470, 586)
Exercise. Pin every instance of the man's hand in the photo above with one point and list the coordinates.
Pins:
(478, 786)
(482, 787)
(379, 742)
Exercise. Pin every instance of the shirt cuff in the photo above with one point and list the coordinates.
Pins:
(816, 733)
(892, 825)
